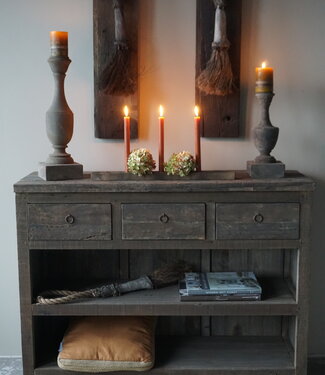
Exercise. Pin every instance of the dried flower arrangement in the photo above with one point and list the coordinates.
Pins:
(181, 164)
(140, 162)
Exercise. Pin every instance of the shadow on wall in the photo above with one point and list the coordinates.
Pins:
(250, 11)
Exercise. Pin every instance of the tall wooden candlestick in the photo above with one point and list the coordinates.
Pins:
(161, 138)
(126, 136)
(197, 133)
(265, 134)
(59, 117)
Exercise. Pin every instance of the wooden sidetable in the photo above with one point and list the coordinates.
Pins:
(73, 234)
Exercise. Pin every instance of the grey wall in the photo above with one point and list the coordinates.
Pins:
(290, 34)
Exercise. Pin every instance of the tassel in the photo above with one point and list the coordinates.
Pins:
(217, 78)
(117, 78)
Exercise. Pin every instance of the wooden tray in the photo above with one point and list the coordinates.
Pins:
(124, 176)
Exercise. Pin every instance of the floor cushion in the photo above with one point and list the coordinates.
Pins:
(112, 343)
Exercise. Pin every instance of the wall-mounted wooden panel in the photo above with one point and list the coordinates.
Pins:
(220, 114)
(108, 108)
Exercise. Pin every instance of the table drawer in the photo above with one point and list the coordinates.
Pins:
(172, 221)
(76, 222)
(250, 221)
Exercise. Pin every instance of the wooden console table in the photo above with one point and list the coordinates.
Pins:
(73, 234)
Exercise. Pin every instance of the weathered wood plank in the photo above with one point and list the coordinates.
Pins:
(25, 293)
(170, 323)
(246, 326)
(303, 288)
(206, 267)
(164, 221)
(174, 197)
(257, 221)
(78, 222)
(220, 114)
(72, 270)
(166, 302)
(268, 267)
(109, 108)
(124, 176)
(243, 183)
(165, 245)
(213, 356)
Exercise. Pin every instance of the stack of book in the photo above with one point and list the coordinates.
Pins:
(220, 286)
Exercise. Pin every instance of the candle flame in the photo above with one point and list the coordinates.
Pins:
(263, 64)
(196, 111)
(126, 111)
(161, 111)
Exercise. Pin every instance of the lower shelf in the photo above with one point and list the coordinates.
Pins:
(213, 356)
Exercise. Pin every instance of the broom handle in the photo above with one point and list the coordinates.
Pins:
(117, 289)
(120, 33)
(220, 26)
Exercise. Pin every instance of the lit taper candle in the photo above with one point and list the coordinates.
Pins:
(197, 132)
(126, 136)
(161, 138)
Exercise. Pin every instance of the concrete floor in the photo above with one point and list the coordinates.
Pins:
(12, 366)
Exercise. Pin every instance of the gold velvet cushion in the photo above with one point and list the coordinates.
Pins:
(112, 343)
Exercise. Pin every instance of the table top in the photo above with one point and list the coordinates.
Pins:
(293, 181)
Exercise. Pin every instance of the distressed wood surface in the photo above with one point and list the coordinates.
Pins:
(257, 221)
(72, 270)
(123, 176)
(267, 337)
(163, 221)
(292, 182)
(143, 262)
(220, 114)
(213, 356)
(25, 288)
(166, 302)
(78, 222)
(300, 329)
(109, 108)
(162, 244)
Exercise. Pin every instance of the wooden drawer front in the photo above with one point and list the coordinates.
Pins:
(257, 221)
(163, 221)
(76, 222)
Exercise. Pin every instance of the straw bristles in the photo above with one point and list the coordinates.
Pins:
(217, 78)
(118, 78)
(169, 274)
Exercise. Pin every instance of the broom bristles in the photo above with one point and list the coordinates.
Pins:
(117, 78)
(217, 78)
(169, 273)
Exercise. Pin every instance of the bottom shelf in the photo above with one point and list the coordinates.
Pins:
(213, 355)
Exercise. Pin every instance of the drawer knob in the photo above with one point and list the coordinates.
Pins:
(258, 218)
(69, 219)
(164, 218)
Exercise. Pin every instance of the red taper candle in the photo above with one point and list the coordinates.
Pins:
(161, 138)
(126, 136)
(197, 133)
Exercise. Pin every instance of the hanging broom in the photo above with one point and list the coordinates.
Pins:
(166, 275)
(118, 78)
(217, 77)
